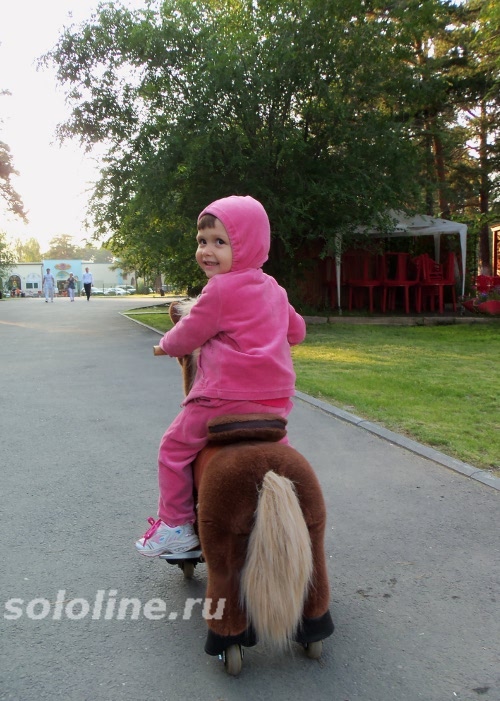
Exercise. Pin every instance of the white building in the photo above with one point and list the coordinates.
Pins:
(26, 278)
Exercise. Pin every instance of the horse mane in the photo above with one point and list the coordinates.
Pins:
(178, 310)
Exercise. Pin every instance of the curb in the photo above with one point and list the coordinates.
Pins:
(400, 320)
(418, 448)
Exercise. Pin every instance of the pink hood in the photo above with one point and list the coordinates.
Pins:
(247, 225)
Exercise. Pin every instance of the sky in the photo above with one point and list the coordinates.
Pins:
(53, 180)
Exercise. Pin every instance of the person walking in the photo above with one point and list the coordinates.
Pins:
(87, 282)
(70, 286)
(48, 285)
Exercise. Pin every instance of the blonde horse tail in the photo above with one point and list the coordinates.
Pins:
(279, 563)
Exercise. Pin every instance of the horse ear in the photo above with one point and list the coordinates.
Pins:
(175, 313)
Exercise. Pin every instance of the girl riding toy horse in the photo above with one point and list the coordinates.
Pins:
(261, 521)
(243, 326)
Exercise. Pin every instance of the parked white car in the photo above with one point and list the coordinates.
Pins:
(116, 291)
(93, 290)
(128, 288)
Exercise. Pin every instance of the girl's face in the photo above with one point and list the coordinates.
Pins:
(214, 254)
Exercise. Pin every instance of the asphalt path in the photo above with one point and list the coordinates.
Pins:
(412, 546)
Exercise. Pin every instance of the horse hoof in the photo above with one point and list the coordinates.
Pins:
(233, 659)
(188, 569)
(314, 650)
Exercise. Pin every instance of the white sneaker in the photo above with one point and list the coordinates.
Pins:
(160, 539)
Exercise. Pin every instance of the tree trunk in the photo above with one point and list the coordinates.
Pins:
(444, 206)
(484, 191)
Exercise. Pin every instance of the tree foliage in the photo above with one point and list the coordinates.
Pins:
(8, 193)
(328, 111)
(65, 248)
(6, 259)
(482, 115)
(27, 252)
(62, 247)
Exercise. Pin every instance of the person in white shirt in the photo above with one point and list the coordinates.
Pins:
(87, 282)
(48, 285)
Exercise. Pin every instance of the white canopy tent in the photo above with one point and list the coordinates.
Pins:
(404, 225)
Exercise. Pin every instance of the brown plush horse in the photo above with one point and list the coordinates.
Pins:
(261, 520)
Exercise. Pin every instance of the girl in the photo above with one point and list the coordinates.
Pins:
(244, 326)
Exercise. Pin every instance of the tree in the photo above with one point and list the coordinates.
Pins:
(95, 255)
(226, 97)
(6, 260)
(481, 112)
(62, 247)
(7, 190)
(454, 106)
(7, 170)
(28, 252)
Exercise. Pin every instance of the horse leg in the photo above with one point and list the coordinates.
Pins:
(227, 499)
(225, 554)
(316, 621)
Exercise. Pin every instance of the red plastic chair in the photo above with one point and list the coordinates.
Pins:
(397, 271)
(433, 279)
(360, 274)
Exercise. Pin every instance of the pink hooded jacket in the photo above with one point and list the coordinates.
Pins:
(242, 321)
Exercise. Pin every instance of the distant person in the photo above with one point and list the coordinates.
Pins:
(87, 282)
(48, 285)
(70, 286)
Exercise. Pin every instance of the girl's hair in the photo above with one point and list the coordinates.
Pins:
(207, 221)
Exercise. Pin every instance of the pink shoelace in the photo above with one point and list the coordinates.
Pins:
(151, 531)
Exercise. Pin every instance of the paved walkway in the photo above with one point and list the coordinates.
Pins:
(412, 545)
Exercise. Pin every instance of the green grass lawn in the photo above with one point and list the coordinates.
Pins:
(439, 385)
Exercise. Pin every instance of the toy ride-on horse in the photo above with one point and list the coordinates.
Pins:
(261, 520)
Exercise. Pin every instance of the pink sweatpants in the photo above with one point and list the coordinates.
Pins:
(182, 441)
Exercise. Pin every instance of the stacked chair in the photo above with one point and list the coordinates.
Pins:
(397, 272)
(433, 279)
(364, 274)
(361, 277)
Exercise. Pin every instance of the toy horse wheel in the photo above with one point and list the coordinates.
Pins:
(188, 569)
(233, 659)
(314, 650)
